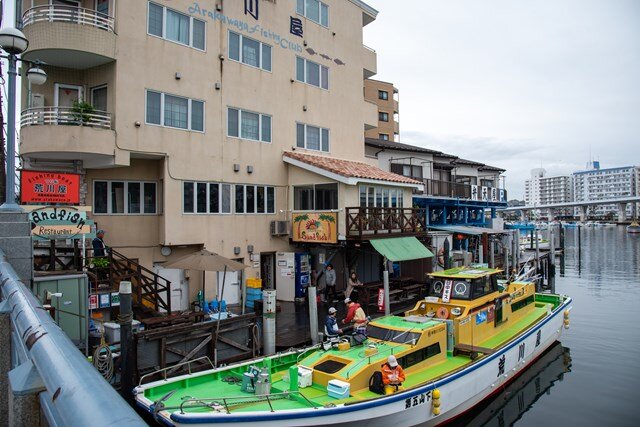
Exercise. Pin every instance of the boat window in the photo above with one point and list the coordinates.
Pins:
(484, 285)
(419, 355)
(461, 289)
(435, 287)
(383, 334)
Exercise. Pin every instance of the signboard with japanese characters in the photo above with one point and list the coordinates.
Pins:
(49, 187)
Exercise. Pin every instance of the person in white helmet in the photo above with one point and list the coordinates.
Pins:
(392, 375)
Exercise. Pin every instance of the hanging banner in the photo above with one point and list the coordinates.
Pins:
(485, 193)
(494, 194)
(381, 300)
(474, 192)
(315, 227)
(49, 187)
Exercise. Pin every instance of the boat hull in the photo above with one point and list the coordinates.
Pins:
(459, 391)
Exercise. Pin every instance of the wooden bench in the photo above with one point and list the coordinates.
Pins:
(471, 351)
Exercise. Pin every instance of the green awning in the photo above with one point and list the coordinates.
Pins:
(401, 248)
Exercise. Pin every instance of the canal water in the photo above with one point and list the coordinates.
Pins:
(593, 377)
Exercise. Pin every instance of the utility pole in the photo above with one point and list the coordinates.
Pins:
(3, 159)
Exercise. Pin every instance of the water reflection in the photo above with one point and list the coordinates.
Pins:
(515, 399)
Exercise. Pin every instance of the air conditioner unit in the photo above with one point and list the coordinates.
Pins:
(37, 100)
(279, 228)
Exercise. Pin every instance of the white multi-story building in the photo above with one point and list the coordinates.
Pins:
(545, 190)
(611, 183)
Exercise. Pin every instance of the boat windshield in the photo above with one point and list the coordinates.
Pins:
(391, 335)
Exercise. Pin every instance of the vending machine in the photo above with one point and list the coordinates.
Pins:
(293, 275)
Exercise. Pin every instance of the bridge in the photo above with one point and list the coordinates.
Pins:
(583, 205)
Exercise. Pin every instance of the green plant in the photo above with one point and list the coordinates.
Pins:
(81, 112)
(98, 262)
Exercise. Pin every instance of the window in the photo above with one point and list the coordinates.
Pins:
(99, 98)
(412, 171)
(380, 197)
(175, 26)
(174, 111)
(312, 73)
(248, 125)
(384, 136)
(383, 94)
(318, 197)
(312, 138)
(124, 197)
(249, 51)
(315, 10)
(215, 198)
(383, 117)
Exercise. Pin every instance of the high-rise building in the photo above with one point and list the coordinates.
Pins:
(610, 183)
(541, 189)
(386, 97)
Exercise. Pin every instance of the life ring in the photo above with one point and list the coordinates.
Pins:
(441, 257)
(442, 313)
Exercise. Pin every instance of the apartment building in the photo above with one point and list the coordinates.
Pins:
(610, 183)
(221, 124)
(541, 189)
(456, 191)
(386, 97)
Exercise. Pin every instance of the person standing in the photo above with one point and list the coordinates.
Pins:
(330, 283)
(392, 375)
(352, 283)
(99, 247)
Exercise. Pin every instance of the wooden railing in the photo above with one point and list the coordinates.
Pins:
(71, 14)
(65, 116)
(369, 222)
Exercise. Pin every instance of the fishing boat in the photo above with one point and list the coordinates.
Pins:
(634, 227)
(461, 344)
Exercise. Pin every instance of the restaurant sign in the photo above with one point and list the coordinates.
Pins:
(60, 223)
(315, 227)
(49, 187)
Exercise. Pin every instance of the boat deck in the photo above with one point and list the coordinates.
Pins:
(222, 390)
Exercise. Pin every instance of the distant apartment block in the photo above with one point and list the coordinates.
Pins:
(610, 183)
(541, 189)
(385, 96)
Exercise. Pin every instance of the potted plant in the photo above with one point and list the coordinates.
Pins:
(81, 112)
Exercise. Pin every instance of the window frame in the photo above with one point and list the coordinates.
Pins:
(382, 97)
(313, 197)
(260, 122)
(162, 111)
(321, 140)
(320, 4)
(164, 27)
(240, 56)
(382, 114)
(383, 136)
(232, 198)
(126, 199)
(320, 73)
(399, 194)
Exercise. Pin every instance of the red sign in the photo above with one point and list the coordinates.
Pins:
(49, 187)
(381, 300)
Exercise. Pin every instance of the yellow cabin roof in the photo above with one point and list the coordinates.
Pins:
(466, 272)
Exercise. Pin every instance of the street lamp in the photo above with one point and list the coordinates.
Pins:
(13, 42)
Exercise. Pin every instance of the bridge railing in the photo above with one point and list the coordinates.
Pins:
(40, 359)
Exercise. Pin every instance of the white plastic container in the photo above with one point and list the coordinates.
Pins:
(338, 389)
(305, 377)
(112, 330)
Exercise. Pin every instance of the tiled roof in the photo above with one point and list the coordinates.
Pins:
(492, 168)
(349, 168)
(381, 143)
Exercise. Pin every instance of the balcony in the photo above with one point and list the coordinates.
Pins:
(369, 62)
(433, 187)
(365, 223)
(60, 133)
(69, 37)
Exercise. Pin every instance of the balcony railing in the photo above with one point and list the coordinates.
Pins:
(75, 15)
(433, 187)
(371, 222)
(65, 116)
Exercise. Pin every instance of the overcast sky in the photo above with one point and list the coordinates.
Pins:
(515, 83)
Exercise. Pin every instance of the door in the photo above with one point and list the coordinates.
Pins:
(179, 293)
(232, 282)
(65, 95)
(267, 270)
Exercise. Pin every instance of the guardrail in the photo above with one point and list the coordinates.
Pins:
(70, 14)
(72, 392)
(65, 116)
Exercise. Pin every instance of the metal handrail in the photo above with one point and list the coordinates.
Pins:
(64, 116)
(164, 370)
(63, 369)
(226, 401)
(70, 14)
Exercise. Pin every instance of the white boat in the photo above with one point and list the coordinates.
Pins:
(460, 345)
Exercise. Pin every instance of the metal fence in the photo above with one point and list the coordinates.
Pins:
(69, 14)
(65, 116)
(69, 390)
